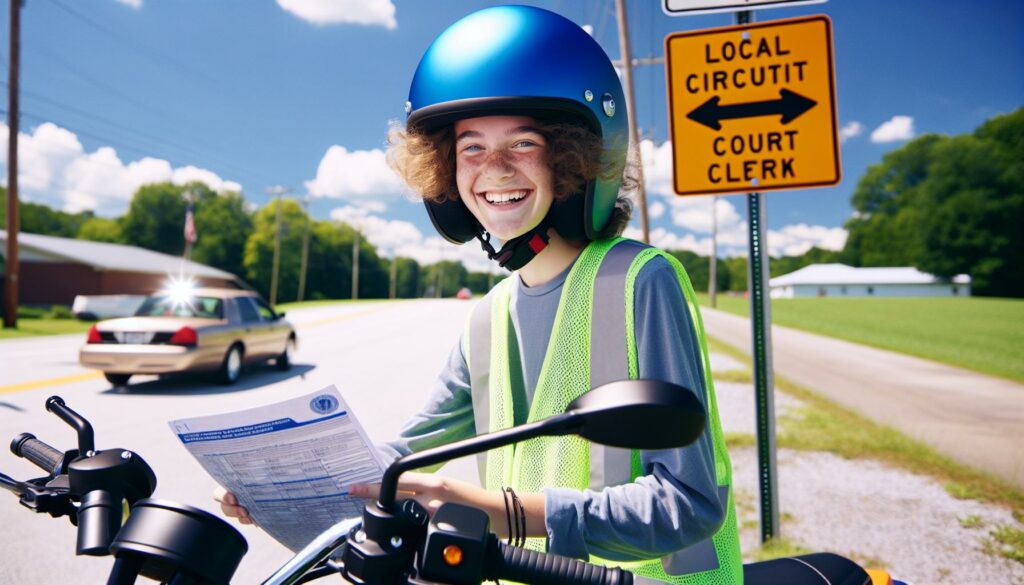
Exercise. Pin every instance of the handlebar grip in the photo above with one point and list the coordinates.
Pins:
(44, 456)
(527, 566)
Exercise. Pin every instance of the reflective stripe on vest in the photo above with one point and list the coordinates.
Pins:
(611, 358)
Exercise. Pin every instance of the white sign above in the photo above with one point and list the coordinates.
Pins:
(689, 7)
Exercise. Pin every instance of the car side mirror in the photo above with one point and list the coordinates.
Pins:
(278, 316)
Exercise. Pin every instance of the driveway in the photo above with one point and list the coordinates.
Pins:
(973, 418)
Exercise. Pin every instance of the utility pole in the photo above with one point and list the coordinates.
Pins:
(355, 264)
(394, 276)
(276, 191)
(634, 139)
(11, 278)
(305, 249)
(713, 279)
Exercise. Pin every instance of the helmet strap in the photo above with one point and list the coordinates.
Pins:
(518, 251)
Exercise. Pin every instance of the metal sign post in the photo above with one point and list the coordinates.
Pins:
(761, 346)
(764, 374)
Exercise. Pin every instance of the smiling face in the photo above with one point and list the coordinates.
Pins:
(502, 173)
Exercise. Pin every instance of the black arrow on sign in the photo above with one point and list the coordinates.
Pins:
(790, 105)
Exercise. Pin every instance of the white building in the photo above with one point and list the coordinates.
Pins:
(840, 280)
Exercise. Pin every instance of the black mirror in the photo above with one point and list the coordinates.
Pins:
(633, 414)
(640, 414)
(279, 315)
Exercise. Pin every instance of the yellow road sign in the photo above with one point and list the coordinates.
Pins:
(753, 107)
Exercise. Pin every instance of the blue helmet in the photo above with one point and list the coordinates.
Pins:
(525, 61)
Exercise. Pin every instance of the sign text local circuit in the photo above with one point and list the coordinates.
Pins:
(753, 107)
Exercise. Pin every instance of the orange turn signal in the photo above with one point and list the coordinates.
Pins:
(452, 555)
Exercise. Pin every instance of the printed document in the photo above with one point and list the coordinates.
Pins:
(289, 463)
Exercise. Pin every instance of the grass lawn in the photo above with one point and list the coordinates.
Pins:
(980, 334)
(34, 327)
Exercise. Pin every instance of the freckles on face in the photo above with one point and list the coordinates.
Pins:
(502, 173)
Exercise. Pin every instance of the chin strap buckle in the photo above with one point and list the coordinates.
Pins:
(519, 251)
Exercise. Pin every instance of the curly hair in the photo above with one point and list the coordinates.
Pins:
(426, 162)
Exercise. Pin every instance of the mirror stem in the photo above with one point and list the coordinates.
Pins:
(563, 424)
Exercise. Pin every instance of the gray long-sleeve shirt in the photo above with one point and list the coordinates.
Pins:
(675, 503)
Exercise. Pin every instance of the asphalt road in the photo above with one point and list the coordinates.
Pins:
(382, 356)
(977, 420)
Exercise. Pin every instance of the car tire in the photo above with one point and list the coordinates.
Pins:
(117, 379)
(231, 368)
(284, 361)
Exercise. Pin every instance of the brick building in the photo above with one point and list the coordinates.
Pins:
(53, 270)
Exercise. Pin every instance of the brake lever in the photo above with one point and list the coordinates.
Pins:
(46, 499)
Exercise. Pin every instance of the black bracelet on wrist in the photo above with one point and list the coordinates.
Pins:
(519, 515)
(508, 514)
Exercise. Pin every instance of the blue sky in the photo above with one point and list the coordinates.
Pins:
(248, 94)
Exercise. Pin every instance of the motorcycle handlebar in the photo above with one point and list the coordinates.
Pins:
(527, 566)
(38, 452)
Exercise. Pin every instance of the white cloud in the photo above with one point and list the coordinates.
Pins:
(668, 240)
(694, 213)
(136, 4)
(357, 174)
(188, 174)
(896, 129)
(656, 210)
(588, 28)
(55, 169)
(402, 238)
(389, 235)
(370, 205)
(794, 240)
(850, 130)
(324, 12)
(657, 162)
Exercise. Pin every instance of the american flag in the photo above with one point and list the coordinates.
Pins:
(190, 226)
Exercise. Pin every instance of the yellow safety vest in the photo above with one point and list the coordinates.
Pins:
(597, 299)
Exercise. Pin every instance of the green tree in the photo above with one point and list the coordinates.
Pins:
(976, 201)
(329, 265)
(36, 218)
(481, 282)
(156, 218)
(699, 270)
(100, 229)
(888, 207)
(947, 205)
(258, 259)
(407, 278)
(223, 225)
(448, 274)
(736, 268)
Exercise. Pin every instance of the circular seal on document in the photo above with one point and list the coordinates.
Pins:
(323, 404)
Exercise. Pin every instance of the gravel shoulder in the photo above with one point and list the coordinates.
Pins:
(872, 512)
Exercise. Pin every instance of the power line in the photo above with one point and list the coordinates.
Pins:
(153, 55)
(160, 141)
(71, 68)
(120, 144)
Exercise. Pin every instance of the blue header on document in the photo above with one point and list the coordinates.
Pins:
(262, 428)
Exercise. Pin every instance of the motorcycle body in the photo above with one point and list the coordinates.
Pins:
(395, 541)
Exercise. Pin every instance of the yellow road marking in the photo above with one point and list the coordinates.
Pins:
(49, 382)
(21, 386)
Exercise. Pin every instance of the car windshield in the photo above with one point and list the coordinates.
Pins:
(165, 306)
